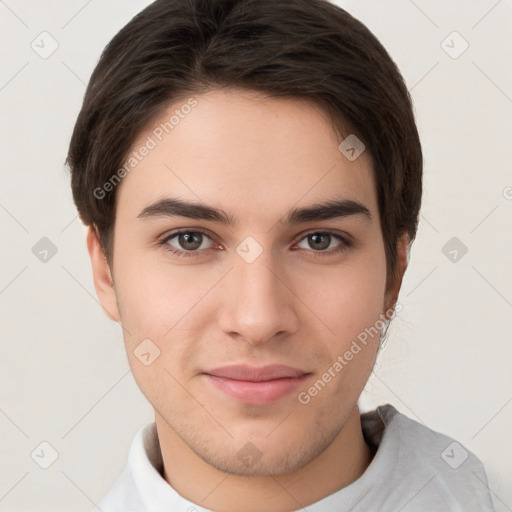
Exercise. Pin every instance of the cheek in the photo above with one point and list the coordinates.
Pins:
(351, 306)
(167, 305)
(156, 295)
(350, 297)
(160, 309)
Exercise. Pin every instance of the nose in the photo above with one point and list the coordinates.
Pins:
(258, 303)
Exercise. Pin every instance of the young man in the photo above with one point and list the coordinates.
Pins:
(250, 172)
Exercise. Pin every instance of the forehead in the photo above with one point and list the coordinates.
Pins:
(243, 149)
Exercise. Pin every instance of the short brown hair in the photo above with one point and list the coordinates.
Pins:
(309, 49)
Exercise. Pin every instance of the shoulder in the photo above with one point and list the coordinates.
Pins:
(429, 467)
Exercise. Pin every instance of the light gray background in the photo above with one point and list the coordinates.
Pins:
(64, 376)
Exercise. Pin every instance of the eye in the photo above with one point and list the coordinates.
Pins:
(319, 241)
(186, 243)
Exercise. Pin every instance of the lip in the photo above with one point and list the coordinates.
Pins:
(256, 385)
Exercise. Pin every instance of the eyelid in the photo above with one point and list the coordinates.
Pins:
(340, 234)
(168, 236)
(345, 242)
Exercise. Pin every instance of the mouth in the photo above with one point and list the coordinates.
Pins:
(256, 385)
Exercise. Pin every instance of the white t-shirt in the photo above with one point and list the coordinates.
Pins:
(414, 470)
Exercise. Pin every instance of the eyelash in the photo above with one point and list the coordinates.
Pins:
(344, 245)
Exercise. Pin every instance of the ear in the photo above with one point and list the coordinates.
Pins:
(402, 259)
(103, 281)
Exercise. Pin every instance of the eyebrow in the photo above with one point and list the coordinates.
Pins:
(334, 209)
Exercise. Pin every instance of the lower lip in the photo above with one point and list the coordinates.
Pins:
(258, 393)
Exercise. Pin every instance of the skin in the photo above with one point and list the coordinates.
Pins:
(256, 158)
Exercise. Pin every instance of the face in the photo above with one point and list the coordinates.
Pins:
(240, 313)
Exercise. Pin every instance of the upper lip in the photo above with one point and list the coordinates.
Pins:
(256, 373)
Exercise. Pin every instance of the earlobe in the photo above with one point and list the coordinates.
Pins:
(103, 281)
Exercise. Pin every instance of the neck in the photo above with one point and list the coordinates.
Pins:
(340, 464)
